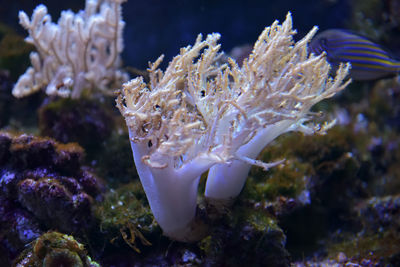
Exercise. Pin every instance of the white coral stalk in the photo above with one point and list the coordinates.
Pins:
(279, 82)
(170, 124)
(80, 52)
(201, 112)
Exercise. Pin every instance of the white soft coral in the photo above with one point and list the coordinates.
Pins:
(171, 130)
(80, 52)
(279, 83)
(202, 113)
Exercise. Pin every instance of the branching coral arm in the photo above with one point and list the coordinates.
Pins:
(170, 136)
(288, 82)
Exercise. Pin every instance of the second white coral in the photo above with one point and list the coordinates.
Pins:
(278, 83)
(80, 52)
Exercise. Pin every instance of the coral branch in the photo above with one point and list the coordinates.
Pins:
(279, 83)
(80, 52)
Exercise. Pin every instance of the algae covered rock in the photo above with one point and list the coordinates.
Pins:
(55, 249)
(379, 239)
(43, 186)
(68, 120)
(245, 236)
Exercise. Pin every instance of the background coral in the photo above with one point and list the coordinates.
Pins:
(80, 52)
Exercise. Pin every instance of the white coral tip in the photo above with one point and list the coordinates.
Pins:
(24, 20)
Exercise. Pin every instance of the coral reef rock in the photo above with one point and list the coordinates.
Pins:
(55, 249)
(43, 186)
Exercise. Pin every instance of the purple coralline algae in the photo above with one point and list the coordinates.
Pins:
(43, 186)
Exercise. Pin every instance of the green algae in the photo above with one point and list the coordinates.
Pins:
(55, 249)
(288, 180)
(115, 162)
(124, 216)
(304, 157)
(379, 239)
(383, 247)
(246, 235)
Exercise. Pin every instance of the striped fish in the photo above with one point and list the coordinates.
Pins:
(368, 60)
